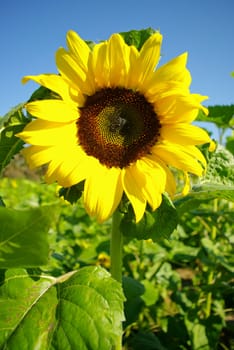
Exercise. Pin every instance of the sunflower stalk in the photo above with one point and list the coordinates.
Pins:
(116, 257)
(210, 278)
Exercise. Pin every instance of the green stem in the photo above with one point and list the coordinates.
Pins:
(211, 273)
(116, 247)
(116, 258)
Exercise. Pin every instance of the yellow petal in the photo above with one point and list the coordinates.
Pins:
(131, 80)
(74, 73)
(52, 82)
(38, 155)
(143, 66)
(165, 89)
(78, 48)
(69, 169)
(65, 166)
(118, 56)
(170, 186)
(133, 182)
(184, 158)
(44, 133)
(186, 188)
(80, 51)
(155, 181)
(53, 110)
(100, 64)
(102, 192)
(149, 55)
(181, 108)
(175, 70)
(184, 134)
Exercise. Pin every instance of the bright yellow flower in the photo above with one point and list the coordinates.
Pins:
(119, 123)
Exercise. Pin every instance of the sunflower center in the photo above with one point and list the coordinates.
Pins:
(117, 126)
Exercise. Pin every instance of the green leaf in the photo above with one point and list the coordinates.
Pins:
(73, 193)
(230, 143)
(10, 124)
(2, 204)
(215, 254)
(156, 225)
(222, 116)
(218, 182)
(24, 236)
(132, 288)
(146, 341)
(151, 293)
(137, 37)
(133, 304)
(197, 332)
(43, 93)
(80, 310)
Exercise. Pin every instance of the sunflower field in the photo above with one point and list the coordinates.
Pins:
(56, 286)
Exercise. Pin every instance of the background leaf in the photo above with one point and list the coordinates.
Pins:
(80, 310)
(222, 116)
(230, 143)
(43, 93)
(137, 37)
(155, 225)
(24, 236)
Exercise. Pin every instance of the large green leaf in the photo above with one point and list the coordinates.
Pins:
(81, 310)
(24, 236)
(10, 124)
(156, 225)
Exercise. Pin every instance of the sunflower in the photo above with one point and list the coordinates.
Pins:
(119, 123)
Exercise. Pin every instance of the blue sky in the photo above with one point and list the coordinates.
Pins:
(31, 32)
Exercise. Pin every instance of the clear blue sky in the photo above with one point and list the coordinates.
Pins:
(31, 32)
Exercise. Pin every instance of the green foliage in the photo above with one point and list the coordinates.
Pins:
(218, 182)
(73, 193)
(222, 116)
(43, 93)
(11, 124)
(137, 37)
(165, 282)
(230, 143)
(23, 236)
(220, 169)
(155, 225)
(80, 310)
